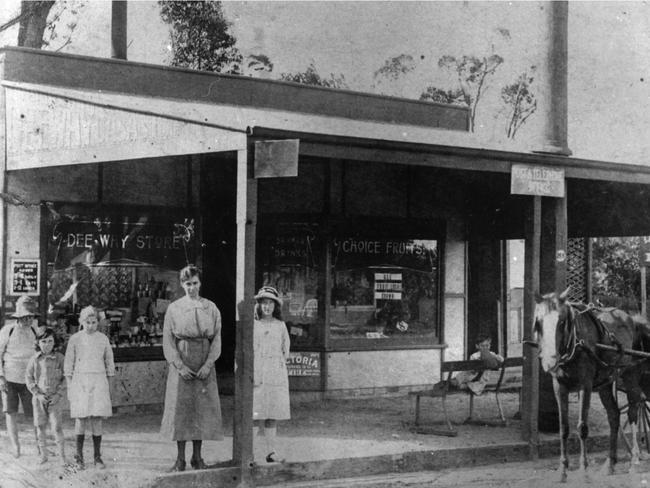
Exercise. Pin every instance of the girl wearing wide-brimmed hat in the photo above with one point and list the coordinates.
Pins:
(271, 380)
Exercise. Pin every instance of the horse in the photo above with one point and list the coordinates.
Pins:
(570, 337)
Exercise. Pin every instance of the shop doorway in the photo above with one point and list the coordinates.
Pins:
(513, 311)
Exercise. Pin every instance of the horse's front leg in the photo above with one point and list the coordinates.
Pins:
(562, 399)
(584, 401)
(613, 417)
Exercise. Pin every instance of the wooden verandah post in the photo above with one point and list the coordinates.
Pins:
(530, 387)
(245, 284)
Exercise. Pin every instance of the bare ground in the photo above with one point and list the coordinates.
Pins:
(135, 454)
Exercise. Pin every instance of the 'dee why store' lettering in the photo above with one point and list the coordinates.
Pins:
(112, 241)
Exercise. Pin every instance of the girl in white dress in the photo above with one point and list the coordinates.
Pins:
(271, 380)
(87, 366)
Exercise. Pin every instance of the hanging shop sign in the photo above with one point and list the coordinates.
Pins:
(119, 239)
(276, 159)
(537, 180)
(303, 364)
(24, 277)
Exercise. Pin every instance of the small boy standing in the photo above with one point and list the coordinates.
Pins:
(477, 380)
(45, 381)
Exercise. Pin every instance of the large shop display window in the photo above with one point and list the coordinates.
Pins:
(289, 258)
(384, 288)
(124, 262)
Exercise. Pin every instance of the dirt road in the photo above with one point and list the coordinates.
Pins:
(532, 474)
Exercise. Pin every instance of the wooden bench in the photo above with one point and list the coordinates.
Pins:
(443, 391)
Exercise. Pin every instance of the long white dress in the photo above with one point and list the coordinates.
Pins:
(271, 379)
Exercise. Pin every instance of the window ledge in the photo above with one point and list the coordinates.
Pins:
(391, 343)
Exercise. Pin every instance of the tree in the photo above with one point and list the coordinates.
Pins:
(433, 94)
(395, 67)
(200, 36)
(520, 101)
(32, 23)
(472, 75)
(311, 77)
(616, 273)
(259, 63)
(39, 21)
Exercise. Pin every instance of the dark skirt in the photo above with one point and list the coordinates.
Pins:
(192, 407)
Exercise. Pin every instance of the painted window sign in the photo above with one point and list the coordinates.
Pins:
(409, 253)
(25, 277)
(383, 287)
(134, 240)
(303, 364)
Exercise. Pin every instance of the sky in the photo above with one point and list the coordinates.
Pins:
(609, 61)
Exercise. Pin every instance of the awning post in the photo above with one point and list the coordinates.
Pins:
(245, 291)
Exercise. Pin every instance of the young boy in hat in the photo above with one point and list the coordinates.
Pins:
(16, 349)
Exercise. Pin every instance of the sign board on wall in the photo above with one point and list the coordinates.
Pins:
(303, 364)
(24, 277)
(77, 126)
(537, 180)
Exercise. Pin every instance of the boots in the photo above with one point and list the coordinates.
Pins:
(79, 457)
(97, 448)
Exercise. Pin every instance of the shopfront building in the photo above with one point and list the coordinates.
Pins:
(111, 187)
(390, 235)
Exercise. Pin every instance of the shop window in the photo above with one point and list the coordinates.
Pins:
(384, 288)
(123, 262)
(288, 259)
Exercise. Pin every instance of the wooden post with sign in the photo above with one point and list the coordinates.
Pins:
(545, 268)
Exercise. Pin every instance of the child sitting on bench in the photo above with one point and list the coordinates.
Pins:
(477, 380)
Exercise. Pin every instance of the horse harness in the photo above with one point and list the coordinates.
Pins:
(574, 343)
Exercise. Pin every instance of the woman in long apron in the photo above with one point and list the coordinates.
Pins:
(191, 345)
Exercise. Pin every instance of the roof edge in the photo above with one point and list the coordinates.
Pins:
(63, 69)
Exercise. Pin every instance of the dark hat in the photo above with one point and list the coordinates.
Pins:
(269, 292)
